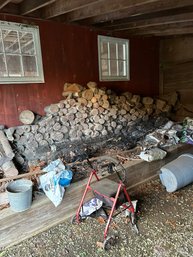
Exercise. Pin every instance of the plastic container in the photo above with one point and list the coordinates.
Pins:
(20, 194)
(178, 173)
(66, 178)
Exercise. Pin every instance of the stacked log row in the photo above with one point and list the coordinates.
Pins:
(84, 113)
(7, 166)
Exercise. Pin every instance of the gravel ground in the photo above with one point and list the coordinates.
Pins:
(164, 220)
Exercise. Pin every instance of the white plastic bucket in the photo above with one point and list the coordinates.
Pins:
(20, 194)
(178, 173)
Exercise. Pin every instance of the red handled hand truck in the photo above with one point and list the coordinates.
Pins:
(109, 192)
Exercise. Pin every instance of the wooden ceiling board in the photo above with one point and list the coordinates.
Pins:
(131, 17)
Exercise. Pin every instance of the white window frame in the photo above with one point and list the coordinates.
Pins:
(19, 27)
(116, 41)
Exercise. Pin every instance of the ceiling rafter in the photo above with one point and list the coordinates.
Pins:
(158, 29)
(29, 6)
(173, 19)
(63, 6)
(137, 11)
(4, 3)
(104, 7)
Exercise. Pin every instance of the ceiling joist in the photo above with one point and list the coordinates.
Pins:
(4, 3)
(29, 6)
(123, 17)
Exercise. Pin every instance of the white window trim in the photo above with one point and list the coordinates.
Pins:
(113, 40)
(35, 31)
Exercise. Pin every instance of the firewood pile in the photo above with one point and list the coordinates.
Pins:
(85, 113)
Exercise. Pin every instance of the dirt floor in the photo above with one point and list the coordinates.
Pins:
(165, 221)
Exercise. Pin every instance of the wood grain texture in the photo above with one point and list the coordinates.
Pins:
(176, 57)
(16, 227)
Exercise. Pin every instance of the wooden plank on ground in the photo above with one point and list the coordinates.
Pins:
(16, 227)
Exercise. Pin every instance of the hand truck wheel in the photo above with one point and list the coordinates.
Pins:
(110, 241)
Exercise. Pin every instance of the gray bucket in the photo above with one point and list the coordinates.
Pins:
(20, 194)
(178, 173)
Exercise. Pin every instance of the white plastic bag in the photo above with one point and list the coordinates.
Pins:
(152, 154)
(49, 182)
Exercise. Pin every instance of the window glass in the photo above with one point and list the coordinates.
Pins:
(113, 58)
(20, 54)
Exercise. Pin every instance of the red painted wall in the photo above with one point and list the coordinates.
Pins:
(70, 55)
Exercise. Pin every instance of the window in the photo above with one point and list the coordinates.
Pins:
(113, 58)
(20, 54)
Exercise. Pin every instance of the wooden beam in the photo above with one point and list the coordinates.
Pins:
(143, 17)
(175, 19)
(4, 3)
(161, 29)
(103, 7)
(63, 6)
(146, 7)
(29, 6)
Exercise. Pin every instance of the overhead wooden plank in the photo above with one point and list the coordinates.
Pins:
(63, 6)
(146, 7)
(103, 7)
(11, 8)
(160, 29)
(174, 19)
(29, 6)
(4, 3)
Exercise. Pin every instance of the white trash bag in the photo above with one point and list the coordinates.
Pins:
(50, 182)
(152, 154)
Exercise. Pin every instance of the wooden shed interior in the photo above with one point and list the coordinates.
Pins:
(160, 34)
(161, 56)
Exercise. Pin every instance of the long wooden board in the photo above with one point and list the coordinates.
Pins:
(16, 227)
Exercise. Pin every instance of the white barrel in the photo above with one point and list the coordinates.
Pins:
(178, 173)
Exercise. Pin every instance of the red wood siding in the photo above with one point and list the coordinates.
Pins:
(70, 55)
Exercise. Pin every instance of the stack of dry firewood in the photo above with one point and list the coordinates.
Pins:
(86, 112)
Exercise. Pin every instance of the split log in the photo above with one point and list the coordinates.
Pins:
(27, 117)
(105, 104)
(160, 104)
(136, 99)
(38, 137)
(83, 101)
(57, 126)
(9, 133)
(92, 86)
(57, 136)
(147, 100)
(9, 169)
(52, 109)
(87, 94)
(94, 112)
(6, 146)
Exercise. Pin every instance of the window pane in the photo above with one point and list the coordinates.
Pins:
(112, 51)
(104, 50)
(1, 44)
(11, 42)
(113, 65)
(14, 65)
(104, 68)
(121, 51)
(122, 68)
(3, 72)
(27, 43)
(29, 66)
